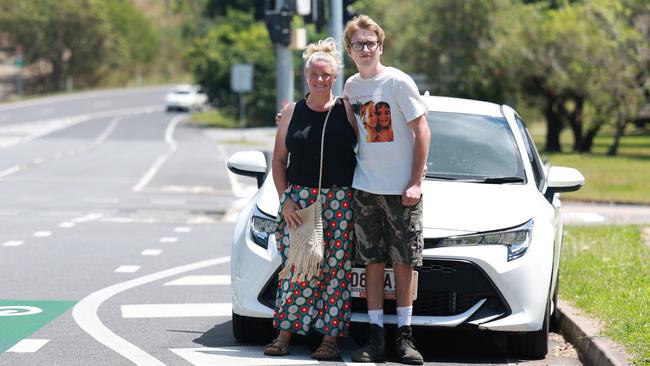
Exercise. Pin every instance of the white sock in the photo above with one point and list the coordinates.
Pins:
(404, 315)
(376, 317)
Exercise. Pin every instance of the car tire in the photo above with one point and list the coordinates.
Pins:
(531, 345)
(252, 330)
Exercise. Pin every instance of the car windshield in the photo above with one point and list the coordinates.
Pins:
(473, 148)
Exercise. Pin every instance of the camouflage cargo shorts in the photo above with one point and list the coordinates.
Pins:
(387, 231)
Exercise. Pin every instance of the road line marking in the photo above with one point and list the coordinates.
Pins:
(42, 234)
(87, 218)
(28, 345)
(176, 310)
(244, 356)
(127, 269)
(168, 239)
(182, 229)
(13, 243)
(108, 200)
(107, 132)
(85, 312)
(38, 160)
(66, 224)
(9, 171)
(151, 252)
(200, 281)
(169, 139)
(168, 201)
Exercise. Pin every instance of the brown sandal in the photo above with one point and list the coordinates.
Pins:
(279, 347)
(327, 351)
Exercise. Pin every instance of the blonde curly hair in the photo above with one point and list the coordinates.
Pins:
(323, 50)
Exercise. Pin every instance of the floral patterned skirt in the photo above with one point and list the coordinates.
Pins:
(322, 303)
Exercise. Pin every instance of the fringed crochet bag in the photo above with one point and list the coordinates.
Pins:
(306, 241)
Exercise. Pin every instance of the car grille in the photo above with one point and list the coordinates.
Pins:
(446, 288)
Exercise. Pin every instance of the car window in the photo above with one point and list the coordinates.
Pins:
(533, 156)
(465, 146)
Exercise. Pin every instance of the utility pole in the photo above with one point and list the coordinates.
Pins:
(278, 22)
(336, 30)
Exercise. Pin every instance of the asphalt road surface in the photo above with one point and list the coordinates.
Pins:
(115, 230)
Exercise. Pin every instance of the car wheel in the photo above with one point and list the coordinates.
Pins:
(531, 345)
(249, 329)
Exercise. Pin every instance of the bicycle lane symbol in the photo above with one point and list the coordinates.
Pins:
(20, 318)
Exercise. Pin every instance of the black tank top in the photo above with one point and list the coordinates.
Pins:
(303, 142)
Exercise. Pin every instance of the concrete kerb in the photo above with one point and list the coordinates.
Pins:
(584, 334)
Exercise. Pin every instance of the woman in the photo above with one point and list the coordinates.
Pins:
(321, 303)
(384, 128)
(369, 119)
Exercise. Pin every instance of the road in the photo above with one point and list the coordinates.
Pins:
(116, 225)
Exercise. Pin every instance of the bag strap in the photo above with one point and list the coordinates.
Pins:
(322, 145)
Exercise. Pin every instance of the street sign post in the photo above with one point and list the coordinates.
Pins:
(241, 81)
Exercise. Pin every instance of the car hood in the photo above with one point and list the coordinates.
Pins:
(455, 208)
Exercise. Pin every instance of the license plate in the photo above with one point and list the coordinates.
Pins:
(358, 283)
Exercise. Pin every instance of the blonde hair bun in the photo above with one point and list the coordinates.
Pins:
(323, 50)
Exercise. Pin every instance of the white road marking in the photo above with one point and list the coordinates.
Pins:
(85, 311)
(243, 356)
(13, 243)
(28, 345)
(107, 132)
(66, 224)
(9, 171)
(176, 310)
(182, 229)
(168, 239)
(105, 200)
(151, 252)
(127, 269)
(87, 218)
(42, 234)
(590, 217)
(200, 281)
(169, 201)
(38, 160)
(169, 139)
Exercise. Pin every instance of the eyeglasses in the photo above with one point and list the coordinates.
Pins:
(371, 45)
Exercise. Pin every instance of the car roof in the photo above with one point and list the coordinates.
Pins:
(460, 105)
(183, 88)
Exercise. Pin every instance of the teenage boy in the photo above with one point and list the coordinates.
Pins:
(387, 199)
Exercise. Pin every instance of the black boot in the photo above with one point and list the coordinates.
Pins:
(406, 350)
(375, 349)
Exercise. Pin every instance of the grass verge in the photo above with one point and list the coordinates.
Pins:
(605, 272)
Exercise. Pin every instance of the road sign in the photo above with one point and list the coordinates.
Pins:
(241, 78)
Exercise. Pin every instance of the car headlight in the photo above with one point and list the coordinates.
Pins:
(262, 226)
(516, 239)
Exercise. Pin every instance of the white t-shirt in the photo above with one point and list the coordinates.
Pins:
(383, 106)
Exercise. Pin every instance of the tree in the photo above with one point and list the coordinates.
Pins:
(74, 36)
(236, 38)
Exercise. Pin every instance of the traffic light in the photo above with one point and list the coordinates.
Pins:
(348, 12)
(317, 16)
(278, 24)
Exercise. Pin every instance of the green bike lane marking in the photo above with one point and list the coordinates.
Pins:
(20, 318)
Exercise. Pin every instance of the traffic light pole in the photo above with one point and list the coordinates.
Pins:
(336, 30)
(284, 73)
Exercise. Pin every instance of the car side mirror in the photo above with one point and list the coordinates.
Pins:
(563, 179)
(249, 164)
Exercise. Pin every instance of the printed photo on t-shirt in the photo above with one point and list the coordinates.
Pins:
(376, 121)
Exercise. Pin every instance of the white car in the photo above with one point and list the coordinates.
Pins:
(492, 227)
(185, 97)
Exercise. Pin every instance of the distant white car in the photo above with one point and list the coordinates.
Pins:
(492, 227)
(185, 97)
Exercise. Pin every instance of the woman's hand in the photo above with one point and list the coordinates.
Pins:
(290, 215)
